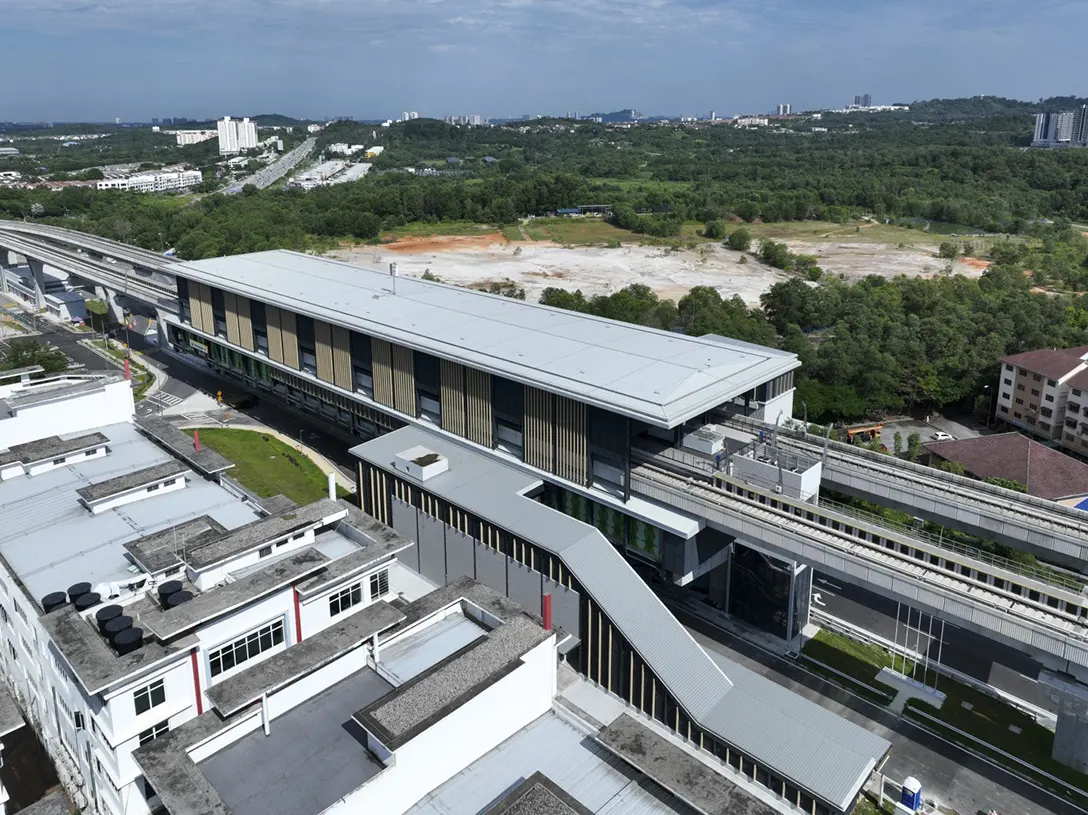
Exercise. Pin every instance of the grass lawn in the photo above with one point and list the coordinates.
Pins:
(859, 660)
(425, 230)
(512, 232)
(989, 719)
(577, 231)
(854, 231)
(266, 466)
(866, 806)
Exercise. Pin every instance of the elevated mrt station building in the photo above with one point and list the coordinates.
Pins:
(503, 435)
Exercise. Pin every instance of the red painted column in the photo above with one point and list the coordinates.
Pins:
(547, 612)
(196, 683)
(196, 440)
(128, 370)
(298, 617)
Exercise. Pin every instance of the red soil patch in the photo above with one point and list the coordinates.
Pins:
(975, 263)
(444, 243)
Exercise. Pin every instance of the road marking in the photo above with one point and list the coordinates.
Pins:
(828, 583)
(818, 599)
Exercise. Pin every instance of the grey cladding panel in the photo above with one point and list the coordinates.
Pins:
(404, 521)
(432, 549)
(564, 607)
(524, 586)
(460, 555)
(491, 568)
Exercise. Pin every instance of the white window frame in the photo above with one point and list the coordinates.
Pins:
(153, 732)
(377, 591)
(341, 601)
(149, 691)
(243, 645)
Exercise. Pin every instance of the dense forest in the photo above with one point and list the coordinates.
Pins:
(877, 346)
(882, 346)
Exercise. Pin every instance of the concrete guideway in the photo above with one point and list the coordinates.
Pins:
(116, 280)
(1053, 532)
(142, 258)
(853, 558)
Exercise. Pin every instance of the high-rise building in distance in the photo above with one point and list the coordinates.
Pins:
(235, 136)
(784, 110)
(1068, 128)
(228, 136)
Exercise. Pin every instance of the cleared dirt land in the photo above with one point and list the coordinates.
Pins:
(549, 253)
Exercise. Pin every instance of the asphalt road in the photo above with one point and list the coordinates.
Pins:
(999, 665)
(948, 774)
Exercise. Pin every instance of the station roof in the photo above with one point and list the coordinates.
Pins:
(657, 376)
(816, 749)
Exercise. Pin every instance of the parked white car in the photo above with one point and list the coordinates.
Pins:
(940, 435)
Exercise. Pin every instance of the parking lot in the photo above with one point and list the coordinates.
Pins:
(926, 430)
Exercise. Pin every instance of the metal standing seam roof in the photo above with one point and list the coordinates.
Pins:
(657, 376)
(808, 744)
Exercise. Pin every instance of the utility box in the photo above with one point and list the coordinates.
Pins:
(911, 799)
(705, 440)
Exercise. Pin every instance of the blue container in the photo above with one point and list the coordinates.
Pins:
(912, 794)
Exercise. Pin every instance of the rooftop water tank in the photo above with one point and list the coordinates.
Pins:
(53, 601)
(77, 590)
(116, 626)
(128, 640)
(177, 598)
(86, 601)
(107, 613)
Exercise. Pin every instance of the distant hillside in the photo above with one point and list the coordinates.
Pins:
(276, 120)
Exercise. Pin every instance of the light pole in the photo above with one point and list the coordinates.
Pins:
(804, 407)
(990, 405)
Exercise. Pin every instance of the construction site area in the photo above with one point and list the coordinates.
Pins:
(597, 258)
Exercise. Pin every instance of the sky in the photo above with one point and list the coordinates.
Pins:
(95, 60)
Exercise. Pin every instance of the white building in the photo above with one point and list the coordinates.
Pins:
(153, 182)
(228, 136)
(186, 137)
(247, 134)
(344, 149)
(151, 583)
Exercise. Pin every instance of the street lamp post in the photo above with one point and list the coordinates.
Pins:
(804, 407)
(990, 405)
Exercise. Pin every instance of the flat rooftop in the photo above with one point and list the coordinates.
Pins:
(51, 447)
(314, 756)
(419, 703)
(52, 541)
(597, 780)
(676, 770)
(538, 795)
(657, 376)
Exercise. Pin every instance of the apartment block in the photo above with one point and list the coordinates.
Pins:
(1034, 389)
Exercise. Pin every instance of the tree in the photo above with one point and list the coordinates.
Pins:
(740, 240)
(953, 467)
(948, 250)
(897, 443)
(25, 353)
(506, 288)
(714, 230)
(775, 254)
(1007, 483)
(914, 446)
